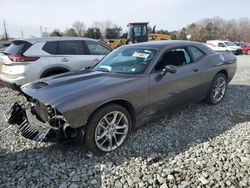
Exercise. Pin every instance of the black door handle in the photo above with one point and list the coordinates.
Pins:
(96, 59)
(195, 69)
(64, 59)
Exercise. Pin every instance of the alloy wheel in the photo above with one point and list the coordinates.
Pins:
(219, 89)
(111, 131)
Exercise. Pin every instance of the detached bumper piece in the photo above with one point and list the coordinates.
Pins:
(28, 124)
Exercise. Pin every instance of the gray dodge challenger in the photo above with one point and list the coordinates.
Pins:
(101, 105)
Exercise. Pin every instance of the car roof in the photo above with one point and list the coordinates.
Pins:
(43, 39)
(171, 44)
(164, 43)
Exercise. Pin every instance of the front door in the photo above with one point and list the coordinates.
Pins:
(174, 88)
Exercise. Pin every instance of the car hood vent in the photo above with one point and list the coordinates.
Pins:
(39, 85)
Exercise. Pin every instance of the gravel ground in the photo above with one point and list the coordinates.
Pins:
(196, 146)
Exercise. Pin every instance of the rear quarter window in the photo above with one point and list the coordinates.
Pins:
(195, 53)
(17, 48)
(96, 48)
(50, 47)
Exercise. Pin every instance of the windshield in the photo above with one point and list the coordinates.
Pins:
(230, 44)
(127, 60)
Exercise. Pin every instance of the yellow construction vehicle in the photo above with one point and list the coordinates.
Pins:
(138, 32)
(155, 36)
(115, 43)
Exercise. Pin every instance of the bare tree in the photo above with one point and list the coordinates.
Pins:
(230, 32)
(103, 26)
(94, 33)
(56, 33)
(45, 34)
(218, 28)
(100, 25)
(70, 32)
(244, 29)
(113, 32)
(109, 24)
(79, 28)
(193, 29)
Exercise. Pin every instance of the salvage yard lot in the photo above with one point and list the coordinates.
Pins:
(196, 145)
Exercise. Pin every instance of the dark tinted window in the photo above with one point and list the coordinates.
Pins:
(50, 47)
(97, 49)
(70, 47)
(221, 45)
(17, 48)
(196, 53)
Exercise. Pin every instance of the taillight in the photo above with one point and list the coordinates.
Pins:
(21, 58)
(1, 84)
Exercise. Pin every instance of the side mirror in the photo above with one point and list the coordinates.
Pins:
(169, 68)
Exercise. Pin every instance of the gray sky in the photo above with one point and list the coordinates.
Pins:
(29, 15)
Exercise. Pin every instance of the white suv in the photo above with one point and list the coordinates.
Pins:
(27, 60)
(222, 46)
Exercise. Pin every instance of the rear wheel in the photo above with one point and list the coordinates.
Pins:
(107, 129)
(52, 73)
(217, 90)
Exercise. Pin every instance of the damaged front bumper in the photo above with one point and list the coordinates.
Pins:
(31, 127)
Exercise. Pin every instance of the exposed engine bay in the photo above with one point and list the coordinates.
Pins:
(40, 122)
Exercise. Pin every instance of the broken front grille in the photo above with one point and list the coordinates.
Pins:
(28, 123)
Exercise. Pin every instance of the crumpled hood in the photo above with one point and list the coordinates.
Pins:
(63, 87)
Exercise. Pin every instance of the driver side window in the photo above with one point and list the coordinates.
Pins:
(221, 45)
(176, 57)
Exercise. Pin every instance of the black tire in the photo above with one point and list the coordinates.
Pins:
(210, 96)
(49, 75)
(90, 130)
(52, 73)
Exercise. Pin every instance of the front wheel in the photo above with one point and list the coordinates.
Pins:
(217, 90)
(107, 129)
